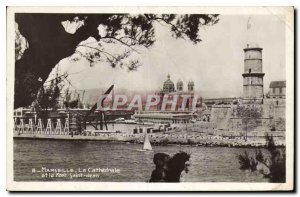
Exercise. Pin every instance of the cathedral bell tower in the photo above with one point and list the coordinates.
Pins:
(253, 85)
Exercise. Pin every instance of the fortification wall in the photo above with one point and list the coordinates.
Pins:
(275, 109)
(271, 117)
(220, 116)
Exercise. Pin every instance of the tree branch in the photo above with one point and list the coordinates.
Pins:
(119, 40)
(99, 51)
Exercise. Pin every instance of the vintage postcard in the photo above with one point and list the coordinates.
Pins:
(150, 98)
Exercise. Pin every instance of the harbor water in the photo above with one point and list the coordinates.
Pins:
(208, 164)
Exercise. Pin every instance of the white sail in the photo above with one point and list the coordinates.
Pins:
(147, 145)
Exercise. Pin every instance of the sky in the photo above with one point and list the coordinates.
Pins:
(215, 64)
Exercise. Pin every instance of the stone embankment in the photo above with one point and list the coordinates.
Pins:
(193, 139)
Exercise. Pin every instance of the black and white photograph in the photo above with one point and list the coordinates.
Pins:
(150, 98)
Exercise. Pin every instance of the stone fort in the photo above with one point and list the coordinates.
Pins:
(255, 111)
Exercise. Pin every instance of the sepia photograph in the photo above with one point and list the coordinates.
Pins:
(117, 99)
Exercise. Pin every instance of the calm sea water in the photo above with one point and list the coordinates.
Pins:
(208, 164)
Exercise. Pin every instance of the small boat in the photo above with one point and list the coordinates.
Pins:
(193, 120)
(147, 144)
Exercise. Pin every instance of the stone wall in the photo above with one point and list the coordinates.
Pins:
(275, 109)
(271, 117)
(220, 116)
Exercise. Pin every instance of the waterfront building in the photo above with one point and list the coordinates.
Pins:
(277, 89)
(163, 118)
(21, 112)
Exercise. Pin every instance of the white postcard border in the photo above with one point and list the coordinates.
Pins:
(288, 12)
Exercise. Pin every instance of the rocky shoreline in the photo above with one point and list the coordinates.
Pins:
(166, 139)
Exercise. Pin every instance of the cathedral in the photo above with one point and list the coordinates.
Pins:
(176, 105)
(169, 86)
(170, 91)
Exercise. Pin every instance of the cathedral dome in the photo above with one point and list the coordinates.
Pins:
(168, 86)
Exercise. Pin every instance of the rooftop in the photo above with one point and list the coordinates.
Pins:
(278, 84)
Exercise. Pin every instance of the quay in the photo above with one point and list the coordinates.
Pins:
(194, 134)
(180, 138)
(162, 139)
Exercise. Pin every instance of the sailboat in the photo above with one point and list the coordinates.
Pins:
(147, 144)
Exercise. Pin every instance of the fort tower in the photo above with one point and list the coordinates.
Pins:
(253, 85)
